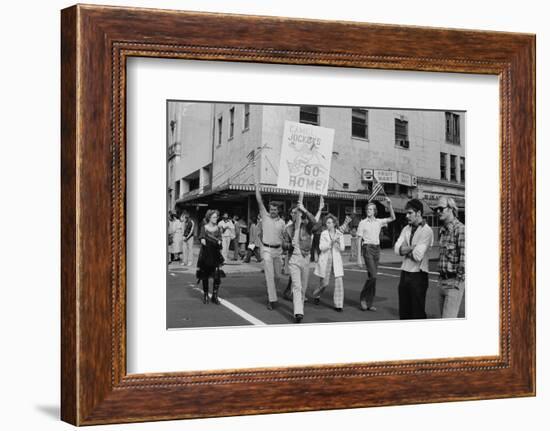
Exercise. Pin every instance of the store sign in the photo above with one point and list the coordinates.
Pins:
(306, 155)
(385, 176)
(388, 177)
(404, 179)
(366, 174)
(433, 198)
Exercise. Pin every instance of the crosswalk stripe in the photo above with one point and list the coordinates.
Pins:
(239, 311)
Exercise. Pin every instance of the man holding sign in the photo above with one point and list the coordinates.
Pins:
(298, 238)
(272, 239)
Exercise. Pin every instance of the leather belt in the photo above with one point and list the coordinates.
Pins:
(446, 275)
(271, 246)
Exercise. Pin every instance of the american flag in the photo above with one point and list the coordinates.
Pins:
(376, 188)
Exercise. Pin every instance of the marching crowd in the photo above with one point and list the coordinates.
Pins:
(288, 248)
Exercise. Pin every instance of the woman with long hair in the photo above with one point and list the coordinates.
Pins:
(210, 257)
(331, 245)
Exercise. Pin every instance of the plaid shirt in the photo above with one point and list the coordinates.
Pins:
(452, 248)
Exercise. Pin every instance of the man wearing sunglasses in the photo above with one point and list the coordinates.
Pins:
(413, 244)
(451, 258)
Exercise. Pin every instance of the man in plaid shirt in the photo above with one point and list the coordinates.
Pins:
(451, 258)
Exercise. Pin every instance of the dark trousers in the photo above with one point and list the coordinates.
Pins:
(371, 257)
(412, 295)
(249, 254)
(235, 242)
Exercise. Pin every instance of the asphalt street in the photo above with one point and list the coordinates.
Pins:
(243, 299)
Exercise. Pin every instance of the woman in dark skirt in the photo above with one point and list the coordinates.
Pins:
(210, 257)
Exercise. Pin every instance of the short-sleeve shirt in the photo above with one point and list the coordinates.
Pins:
(272, 229)
(228, 228)
(369, 230)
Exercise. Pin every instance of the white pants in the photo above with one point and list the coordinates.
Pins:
(226, 241)
(299, 272)
(338, 296)
(187, 258)
(272, 270)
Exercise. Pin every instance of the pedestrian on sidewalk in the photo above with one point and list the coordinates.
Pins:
(188, 239)
(254, 243)
(369, 234)
(171, 230)
(413, 244)
(177, 238)
(452, 240)
(331, 245)
(210, 258)
(241, 231)
(228, 233)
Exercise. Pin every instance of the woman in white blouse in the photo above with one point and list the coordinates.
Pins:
(331, 244)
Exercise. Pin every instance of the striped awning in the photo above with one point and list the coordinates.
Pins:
(270, 189)
(334, 194)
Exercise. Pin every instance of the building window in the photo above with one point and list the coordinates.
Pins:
(171, 170)
(246, 120)
(443, 165)
(462, 170)
(452, 128)
(309, 115)
(231, 122)
(453, 168)
(359, 123)
(220, 124)
(401, 133)
(177, 193)
(194, 183)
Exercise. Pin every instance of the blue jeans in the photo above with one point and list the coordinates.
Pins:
(450, 297)
(371, 257)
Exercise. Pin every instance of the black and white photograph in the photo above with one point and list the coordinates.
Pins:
(301, 214)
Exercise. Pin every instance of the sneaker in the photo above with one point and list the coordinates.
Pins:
(371, 308)
(298, 318)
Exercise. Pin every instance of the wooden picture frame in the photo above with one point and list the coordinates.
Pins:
(95, 43)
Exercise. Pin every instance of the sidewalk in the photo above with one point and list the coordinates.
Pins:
(239, 267)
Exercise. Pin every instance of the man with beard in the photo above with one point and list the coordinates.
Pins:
(297, 241)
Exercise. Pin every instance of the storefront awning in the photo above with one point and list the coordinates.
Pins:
(332, 194)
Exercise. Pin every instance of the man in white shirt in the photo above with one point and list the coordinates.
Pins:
(413, 244)
(228, 233)
(272, 239)
(368, 232)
